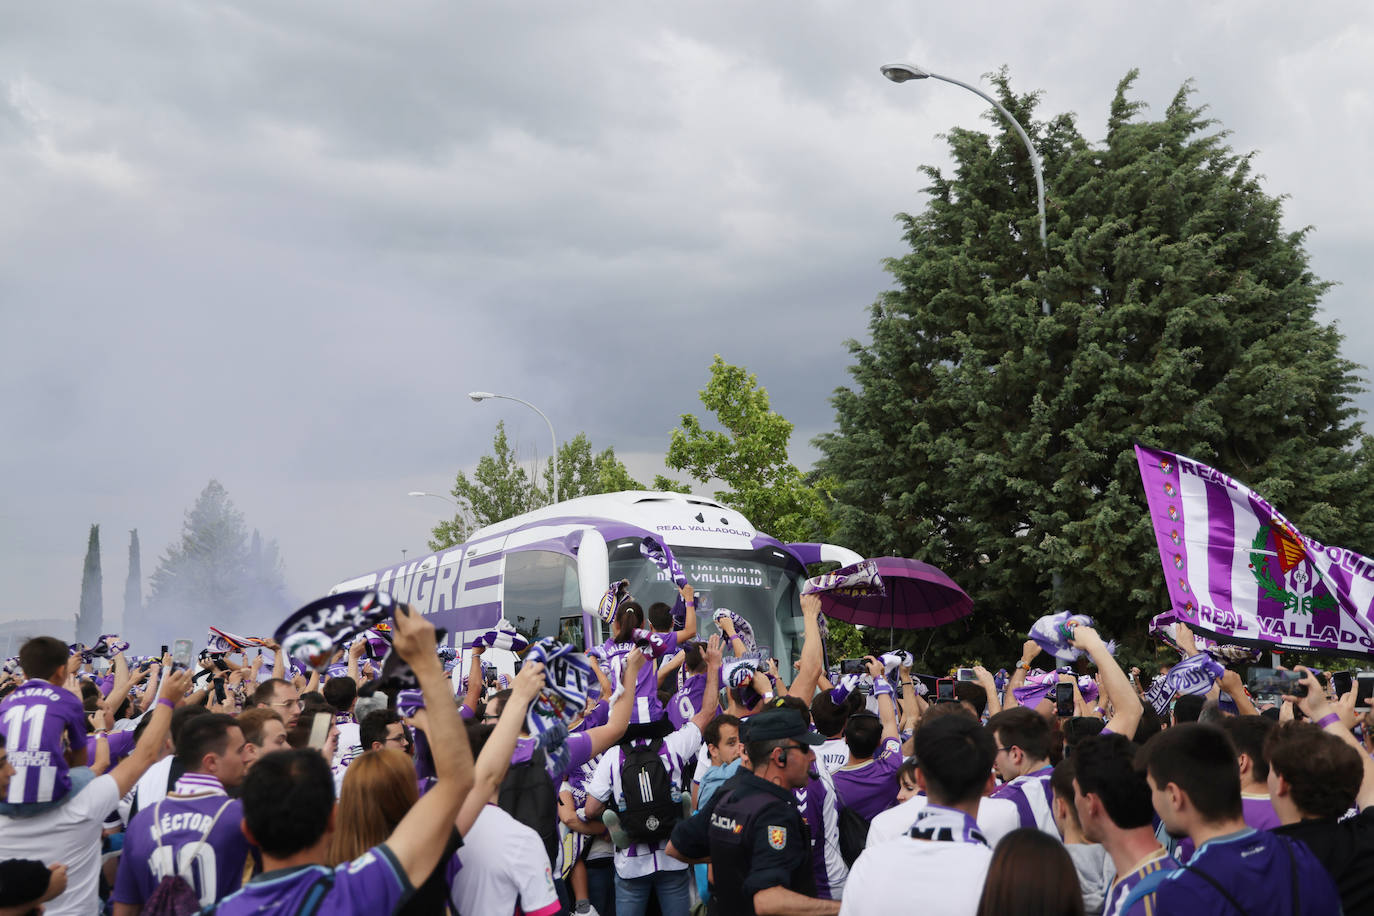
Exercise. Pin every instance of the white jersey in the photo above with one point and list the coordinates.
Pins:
(997, 817)
(832, 755)
(946, 878)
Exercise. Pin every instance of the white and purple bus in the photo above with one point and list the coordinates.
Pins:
(546, 571)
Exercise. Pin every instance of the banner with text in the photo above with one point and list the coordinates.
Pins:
(1239, 571)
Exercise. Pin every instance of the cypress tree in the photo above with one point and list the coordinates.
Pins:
(89, 618)
(133, 586)
(996, 441)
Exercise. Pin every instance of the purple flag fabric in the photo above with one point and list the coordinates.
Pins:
(1239, 571)
(502, 636)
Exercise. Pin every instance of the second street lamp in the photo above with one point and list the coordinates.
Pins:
(901, 73)
(480, 396)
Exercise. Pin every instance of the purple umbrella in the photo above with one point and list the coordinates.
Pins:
(917, 596)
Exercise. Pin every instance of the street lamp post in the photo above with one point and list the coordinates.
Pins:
(480, 396)
(901, 73)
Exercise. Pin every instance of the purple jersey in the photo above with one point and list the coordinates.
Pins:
(1121, 888)
(871, 788)
(370, 884)
(686, 703)
(647, 706)
(40, 721)
(599, 715)
(1034, 799)
(819, 806)
(165, 839)
(1258, 811)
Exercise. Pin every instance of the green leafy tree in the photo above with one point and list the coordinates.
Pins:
(995, 441)
(218, 574)
(90, 618)
(749, 456)
(501, 488)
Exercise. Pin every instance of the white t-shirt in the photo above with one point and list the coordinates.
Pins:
(947, 878)
(70, 835)
(832, 755)
(997, 817)
(502, 864)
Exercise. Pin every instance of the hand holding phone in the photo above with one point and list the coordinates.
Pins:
(853, 666)
(1063, 700)
(944, 691)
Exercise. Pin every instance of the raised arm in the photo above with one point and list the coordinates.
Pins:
(1235, 689)
(419, 839)
(710, 699)
(149, 748)
(989, 685)
(473, 696)
(1126, 705)
(603, 736)
(727, 626)
(689, 623)
(804, 684)
(1318, 708)
(887, 711)
(495, 758)
(355, 652)
(669, 668)
(1029, 651)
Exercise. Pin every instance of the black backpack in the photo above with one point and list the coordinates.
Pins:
(853, 831)
(649, 812)
(528, 795)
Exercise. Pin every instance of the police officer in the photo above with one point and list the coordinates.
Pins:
(751, 828)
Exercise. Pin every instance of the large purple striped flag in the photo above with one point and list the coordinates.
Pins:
(1239, 571)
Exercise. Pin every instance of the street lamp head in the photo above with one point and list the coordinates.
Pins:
(480, 396)
(901, 73)
(417, 493)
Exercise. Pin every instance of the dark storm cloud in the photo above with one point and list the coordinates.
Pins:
(275, 244)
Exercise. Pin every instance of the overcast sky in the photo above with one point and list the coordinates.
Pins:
(275, 243)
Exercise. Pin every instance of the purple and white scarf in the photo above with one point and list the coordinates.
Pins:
(616, 595)
(743, 629)
(224, 641)
(1192, 676)
(1052, 632)
(1040, 685)
(856, 580)
(663, 558)
(568, 677)
(502, 636)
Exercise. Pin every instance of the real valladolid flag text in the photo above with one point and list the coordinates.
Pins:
(1239, 571)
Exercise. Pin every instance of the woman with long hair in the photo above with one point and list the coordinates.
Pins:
(1031, 875)
(379, 787)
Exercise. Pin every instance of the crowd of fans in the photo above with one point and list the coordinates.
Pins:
(693, 780)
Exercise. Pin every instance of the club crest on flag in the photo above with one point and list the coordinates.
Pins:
(1173, 514)
(1166, 466)
(1175, 537)
(1178, 561)
(1170, 490)
(777, 837)
(1283, 571)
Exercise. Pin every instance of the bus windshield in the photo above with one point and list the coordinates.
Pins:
(763, 586)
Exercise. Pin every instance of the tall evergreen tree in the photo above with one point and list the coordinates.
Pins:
(216, 575)
(996, 441)
(90, 618)
(133, 586)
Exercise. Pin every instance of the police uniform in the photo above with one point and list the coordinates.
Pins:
(755, 836)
